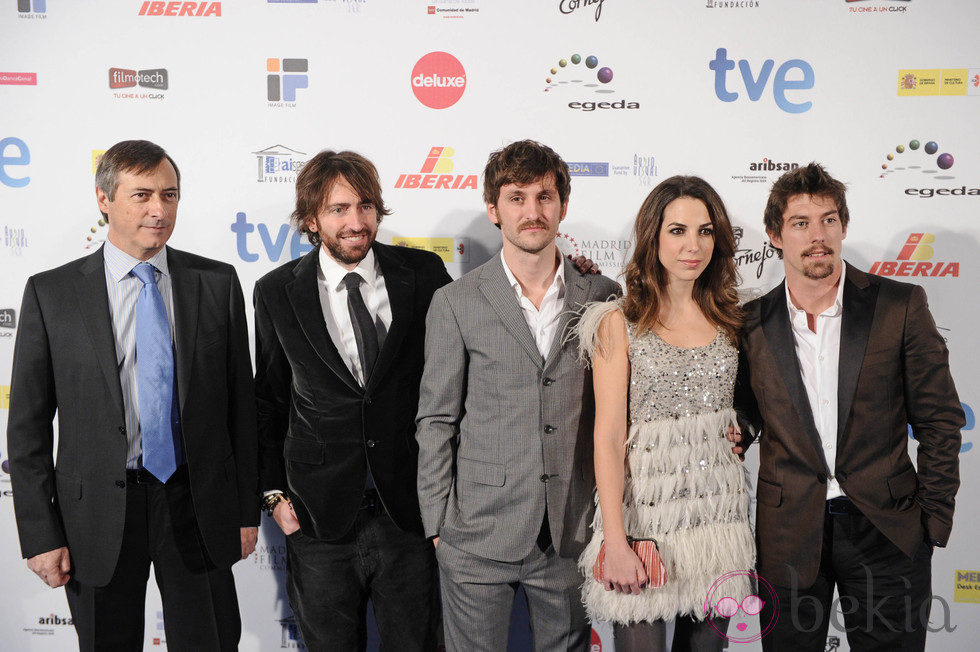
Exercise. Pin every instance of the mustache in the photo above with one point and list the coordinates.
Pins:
(536, 224)
(348, 233)
(816, 249)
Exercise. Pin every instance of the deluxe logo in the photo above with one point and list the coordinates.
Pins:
(755, 85)
(279, 164)
(918, 82)
(434, 173)
(32, 9)
(285, 77)
(594, 169)
(451, 250)
(155, 78)
(13, 153)
(438, 80)
(603, 76)
(18, 79)
(273, 246)
(568, 6)
(204, 9)
(911, 260)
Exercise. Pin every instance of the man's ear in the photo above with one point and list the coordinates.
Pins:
(102, 199)
(775, 239)
(492, 214)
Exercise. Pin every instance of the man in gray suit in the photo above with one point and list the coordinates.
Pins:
(505, 420)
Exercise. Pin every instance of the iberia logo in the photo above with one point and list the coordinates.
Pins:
(435, 173)
(915, 260)
(438, 80)
(180, 9)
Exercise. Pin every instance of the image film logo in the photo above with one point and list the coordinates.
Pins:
(435, 173)
(569, 73)
(285, 77)
(438, 80)
(279, 164)
(915, 259)
(743, 627)
(32, 9)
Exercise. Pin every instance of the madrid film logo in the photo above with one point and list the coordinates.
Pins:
(285, 77)
(586, 73)
(270, 557)
(435, 173)
(279, 164)
(198, 9)
(32, 9)
(154, 78)
(915, 259)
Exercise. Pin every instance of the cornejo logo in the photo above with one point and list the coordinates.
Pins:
(559, 77)
(568, 6)
(438, 80)
(435, 169)
(204, 9)
(910, 260)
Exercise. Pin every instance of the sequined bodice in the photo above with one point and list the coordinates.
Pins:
(669, 382)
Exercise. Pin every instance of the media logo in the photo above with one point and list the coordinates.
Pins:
(274, 247)
(643, 168)
(5, 405)
(18, 79)
(204, 9)
(32, 9)
(966, 585)
(279, 164)
(753, 258)
(96, 157)
(14, 153)
(868, 7)
(732, 4)
(756, 84)
(8, 322)
(14, 240)
(719, 601)
(438, 80)
(914, 259)
(590, 169)
(761, 171)
(452, 9)
(920, 82)
(451, 250)
(435, 173)
(285, 77)
(291, 638)
(569, 6)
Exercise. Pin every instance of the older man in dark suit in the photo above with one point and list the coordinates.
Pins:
(142, 351)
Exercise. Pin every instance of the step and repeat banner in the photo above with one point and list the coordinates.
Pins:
(885, 93)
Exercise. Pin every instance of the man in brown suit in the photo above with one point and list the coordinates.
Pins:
(841, 362)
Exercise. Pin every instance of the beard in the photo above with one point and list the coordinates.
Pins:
(348, 254)
(818, 269)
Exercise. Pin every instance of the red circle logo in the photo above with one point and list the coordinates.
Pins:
(438, 80)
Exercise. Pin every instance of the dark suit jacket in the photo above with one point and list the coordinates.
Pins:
(318, 428)
(65, 360)
(893, 371)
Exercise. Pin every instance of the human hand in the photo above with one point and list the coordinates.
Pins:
(249, 536)
(735, 436)
(435, 542)
(623, 570)
(285, 517)
(584, 265)
(52, 567)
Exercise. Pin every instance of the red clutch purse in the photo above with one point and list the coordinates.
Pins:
(646, 550)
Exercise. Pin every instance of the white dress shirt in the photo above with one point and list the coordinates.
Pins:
(542, 321)
(333, 301)
(123, 288)
(819, 357)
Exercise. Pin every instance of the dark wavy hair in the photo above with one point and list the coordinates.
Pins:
(715, 290)
(523, 162)
(811, 179)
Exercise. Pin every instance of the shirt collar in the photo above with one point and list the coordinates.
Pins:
(333, 273)
(838, 304)
(558, 282)
(120, 264)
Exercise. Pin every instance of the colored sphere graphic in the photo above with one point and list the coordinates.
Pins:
(890, 156)
(884, 166)
(591, 61)
(945, 161)
(5, 466)
(913, 144)
(554, 71)
(932, 147)
(548, 80)
(562, 63)
(900, 149)
(102, 222)
(605, 75)
(576, 58)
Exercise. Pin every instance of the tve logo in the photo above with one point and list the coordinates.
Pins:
(13, 153)
(273, 246)
(282, 87)
(756, 84)
(438, 80)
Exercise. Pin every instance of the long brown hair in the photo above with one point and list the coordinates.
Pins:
(715, 290)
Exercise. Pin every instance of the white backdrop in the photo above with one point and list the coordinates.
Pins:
(242, 94)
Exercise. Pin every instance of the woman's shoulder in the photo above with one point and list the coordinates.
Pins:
(599, 322)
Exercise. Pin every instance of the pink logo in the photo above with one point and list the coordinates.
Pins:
(720, 601)
(438, 80)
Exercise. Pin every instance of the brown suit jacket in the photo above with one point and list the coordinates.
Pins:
(894, 372)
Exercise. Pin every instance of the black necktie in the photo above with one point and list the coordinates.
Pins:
(365, 332)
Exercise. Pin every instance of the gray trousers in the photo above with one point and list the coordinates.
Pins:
(478, 595)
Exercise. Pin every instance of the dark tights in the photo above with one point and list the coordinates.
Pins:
(689, 636)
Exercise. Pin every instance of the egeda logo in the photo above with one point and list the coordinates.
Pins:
(13, 153)
(285, 77)
(755, 83)
(568, 73)
(274, 246)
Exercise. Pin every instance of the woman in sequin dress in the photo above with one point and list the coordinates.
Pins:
(664, 363)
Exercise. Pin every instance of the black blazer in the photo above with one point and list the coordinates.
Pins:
(318, 428)
(65, 360)
(893, 371)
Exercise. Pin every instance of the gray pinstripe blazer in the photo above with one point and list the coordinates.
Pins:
(524, 424)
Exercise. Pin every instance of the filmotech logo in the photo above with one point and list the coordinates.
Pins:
(588, 79)
(199, 9)
(8, 322)
(915, 259)
(279, 164)
(32, 9)
(436, 173)
(867, 7)
(154, 79)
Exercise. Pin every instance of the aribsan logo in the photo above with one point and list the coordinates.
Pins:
(759, 171)
(154, 78)
(435, 173)
(438, 80)
(915, 259)
(585, 75)
(202, 9)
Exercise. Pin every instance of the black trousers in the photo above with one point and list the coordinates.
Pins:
(200, 606)
(885, 596)
(329, 584)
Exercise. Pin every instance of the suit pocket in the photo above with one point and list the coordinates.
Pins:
(480, 472)
(69, 486)
(902, 485)
(769, 493)
(307, 451)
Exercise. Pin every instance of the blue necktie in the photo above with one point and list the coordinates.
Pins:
(155, 378)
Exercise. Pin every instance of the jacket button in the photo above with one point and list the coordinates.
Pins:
(367, 400)
(547, 382)
(550, 429)
(822, 478)
(544, 477)
(121, 484)
(122, 430)
(370, 443)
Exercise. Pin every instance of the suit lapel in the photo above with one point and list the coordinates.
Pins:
(857, 314)
(779, 335)
(93, 303)
(400, 284)
(500, 294)
(576, 294)
(304, 296)
(187, 298)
